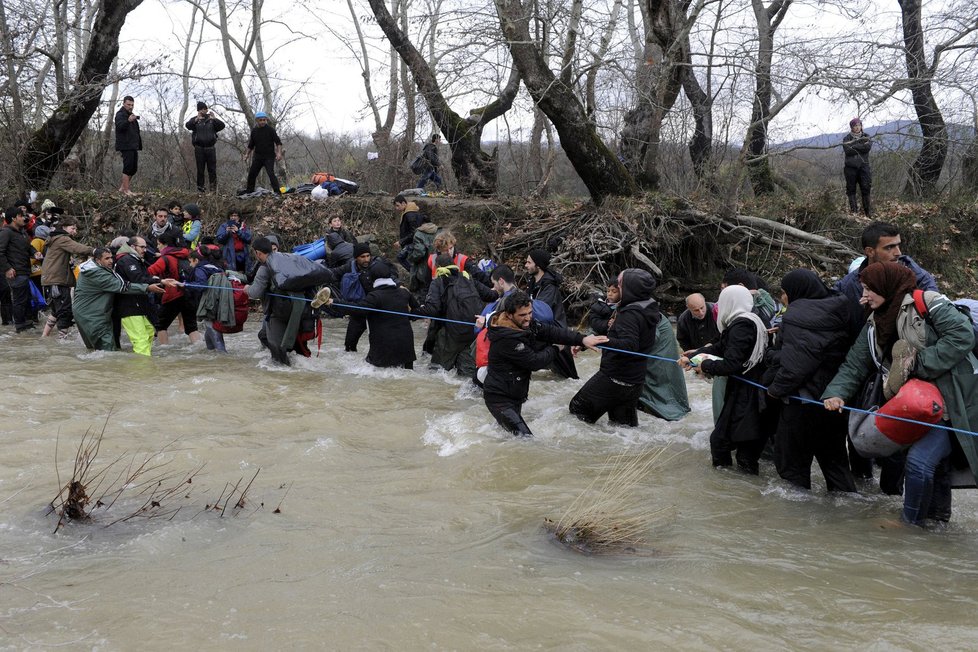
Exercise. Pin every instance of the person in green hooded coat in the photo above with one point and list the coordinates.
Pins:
(94, 295)
(935, 348)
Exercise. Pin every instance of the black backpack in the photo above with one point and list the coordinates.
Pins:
(462, 303)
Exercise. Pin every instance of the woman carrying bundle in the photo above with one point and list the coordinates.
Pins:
(936, 348)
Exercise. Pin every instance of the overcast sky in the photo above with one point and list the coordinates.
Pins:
(334, 97)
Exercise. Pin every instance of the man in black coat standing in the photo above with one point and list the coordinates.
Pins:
(15, 265)
(617, 385)
(265, 150)
(128, 142)
(203, 128)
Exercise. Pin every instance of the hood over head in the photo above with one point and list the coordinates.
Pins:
(636, 285)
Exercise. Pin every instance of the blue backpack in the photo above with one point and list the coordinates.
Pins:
(351, 289)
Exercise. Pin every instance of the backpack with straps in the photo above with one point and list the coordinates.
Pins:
(462, 303)
(921, 305)
(351, 289)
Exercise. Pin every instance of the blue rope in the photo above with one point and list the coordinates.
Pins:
(800, 399)
(339, 305)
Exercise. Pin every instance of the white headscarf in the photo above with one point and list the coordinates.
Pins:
(736, 302)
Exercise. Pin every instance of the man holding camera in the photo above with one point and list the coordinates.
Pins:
(204, 127)
(128, 142)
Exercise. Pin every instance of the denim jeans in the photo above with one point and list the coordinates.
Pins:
(923, 459)
(430, 175)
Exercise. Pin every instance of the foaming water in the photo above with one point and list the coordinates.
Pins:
(408, 519)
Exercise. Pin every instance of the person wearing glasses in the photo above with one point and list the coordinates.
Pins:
(136, 312)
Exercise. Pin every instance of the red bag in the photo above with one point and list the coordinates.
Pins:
(240, 309)
(917, 400)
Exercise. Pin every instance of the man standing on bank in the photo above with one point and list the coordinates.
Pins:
(265, 150)
(203, 128)
(856, 146)
(128, 142)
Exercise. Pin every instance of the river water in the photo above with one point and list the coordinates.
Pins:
(409, 520)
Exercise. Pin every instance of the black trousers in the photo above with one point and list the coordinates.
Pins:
(20, 296)
(601, 395)
(257, 164)
(507, 413)
(355, 328)
(206, 156)
(6, 305)
(61, 305)
(807, 432)
(170, 310)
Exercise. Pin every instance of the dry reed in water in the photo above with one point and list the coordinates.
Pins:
(610, 516)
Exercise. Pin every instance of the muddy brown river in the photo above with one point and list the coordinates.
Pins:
(409, 520)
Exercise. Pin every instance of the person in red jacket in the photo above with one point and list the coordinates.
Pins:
(174, 255)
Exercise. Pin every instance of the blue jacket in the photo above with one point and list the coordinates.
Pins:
(225, 239)
(541, 311)
(850, 286)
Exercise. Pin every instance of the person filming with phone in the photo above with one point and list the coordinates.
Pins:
(128, 142)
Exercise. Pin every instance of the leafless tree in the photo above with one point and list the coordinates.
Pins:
(48, 146)
(602, 173)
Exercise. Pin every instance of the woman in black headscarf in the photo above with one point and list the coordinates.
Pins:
(814, 339)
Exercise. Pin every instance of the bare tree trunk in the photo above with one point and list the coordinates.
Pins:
(47, 147)
(476, 170)
(758, 164)
(601, 171)
(16, 120)
(660, 77)
(925, 171)
(701, 143)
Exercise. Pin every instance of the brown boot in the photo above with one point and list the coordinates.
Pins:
(904, 357)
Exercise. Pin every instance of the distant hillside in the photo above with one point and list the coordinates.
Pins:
(896, 135)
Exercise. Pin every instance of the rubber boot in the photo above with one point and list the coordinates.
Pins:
(853, 206)
(7, 313)
(867, 205)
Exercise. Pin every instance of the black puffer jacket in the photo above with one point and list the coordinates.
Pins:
(633, 330)
(857, 150)
(813, 343)
(601, 314)
(515, 353)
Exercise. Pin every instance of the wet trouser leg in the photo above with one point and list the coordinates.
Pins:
(940, 500)
(923, 459)
(601, 395)
(792, 447)
(891, 473)
(355, 329)
(141, 333)
(507, 413)
(828, 433)
(20, 296)
(275, 330)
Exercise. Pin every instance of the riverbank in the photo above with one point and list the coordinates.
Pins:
(687, 247)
